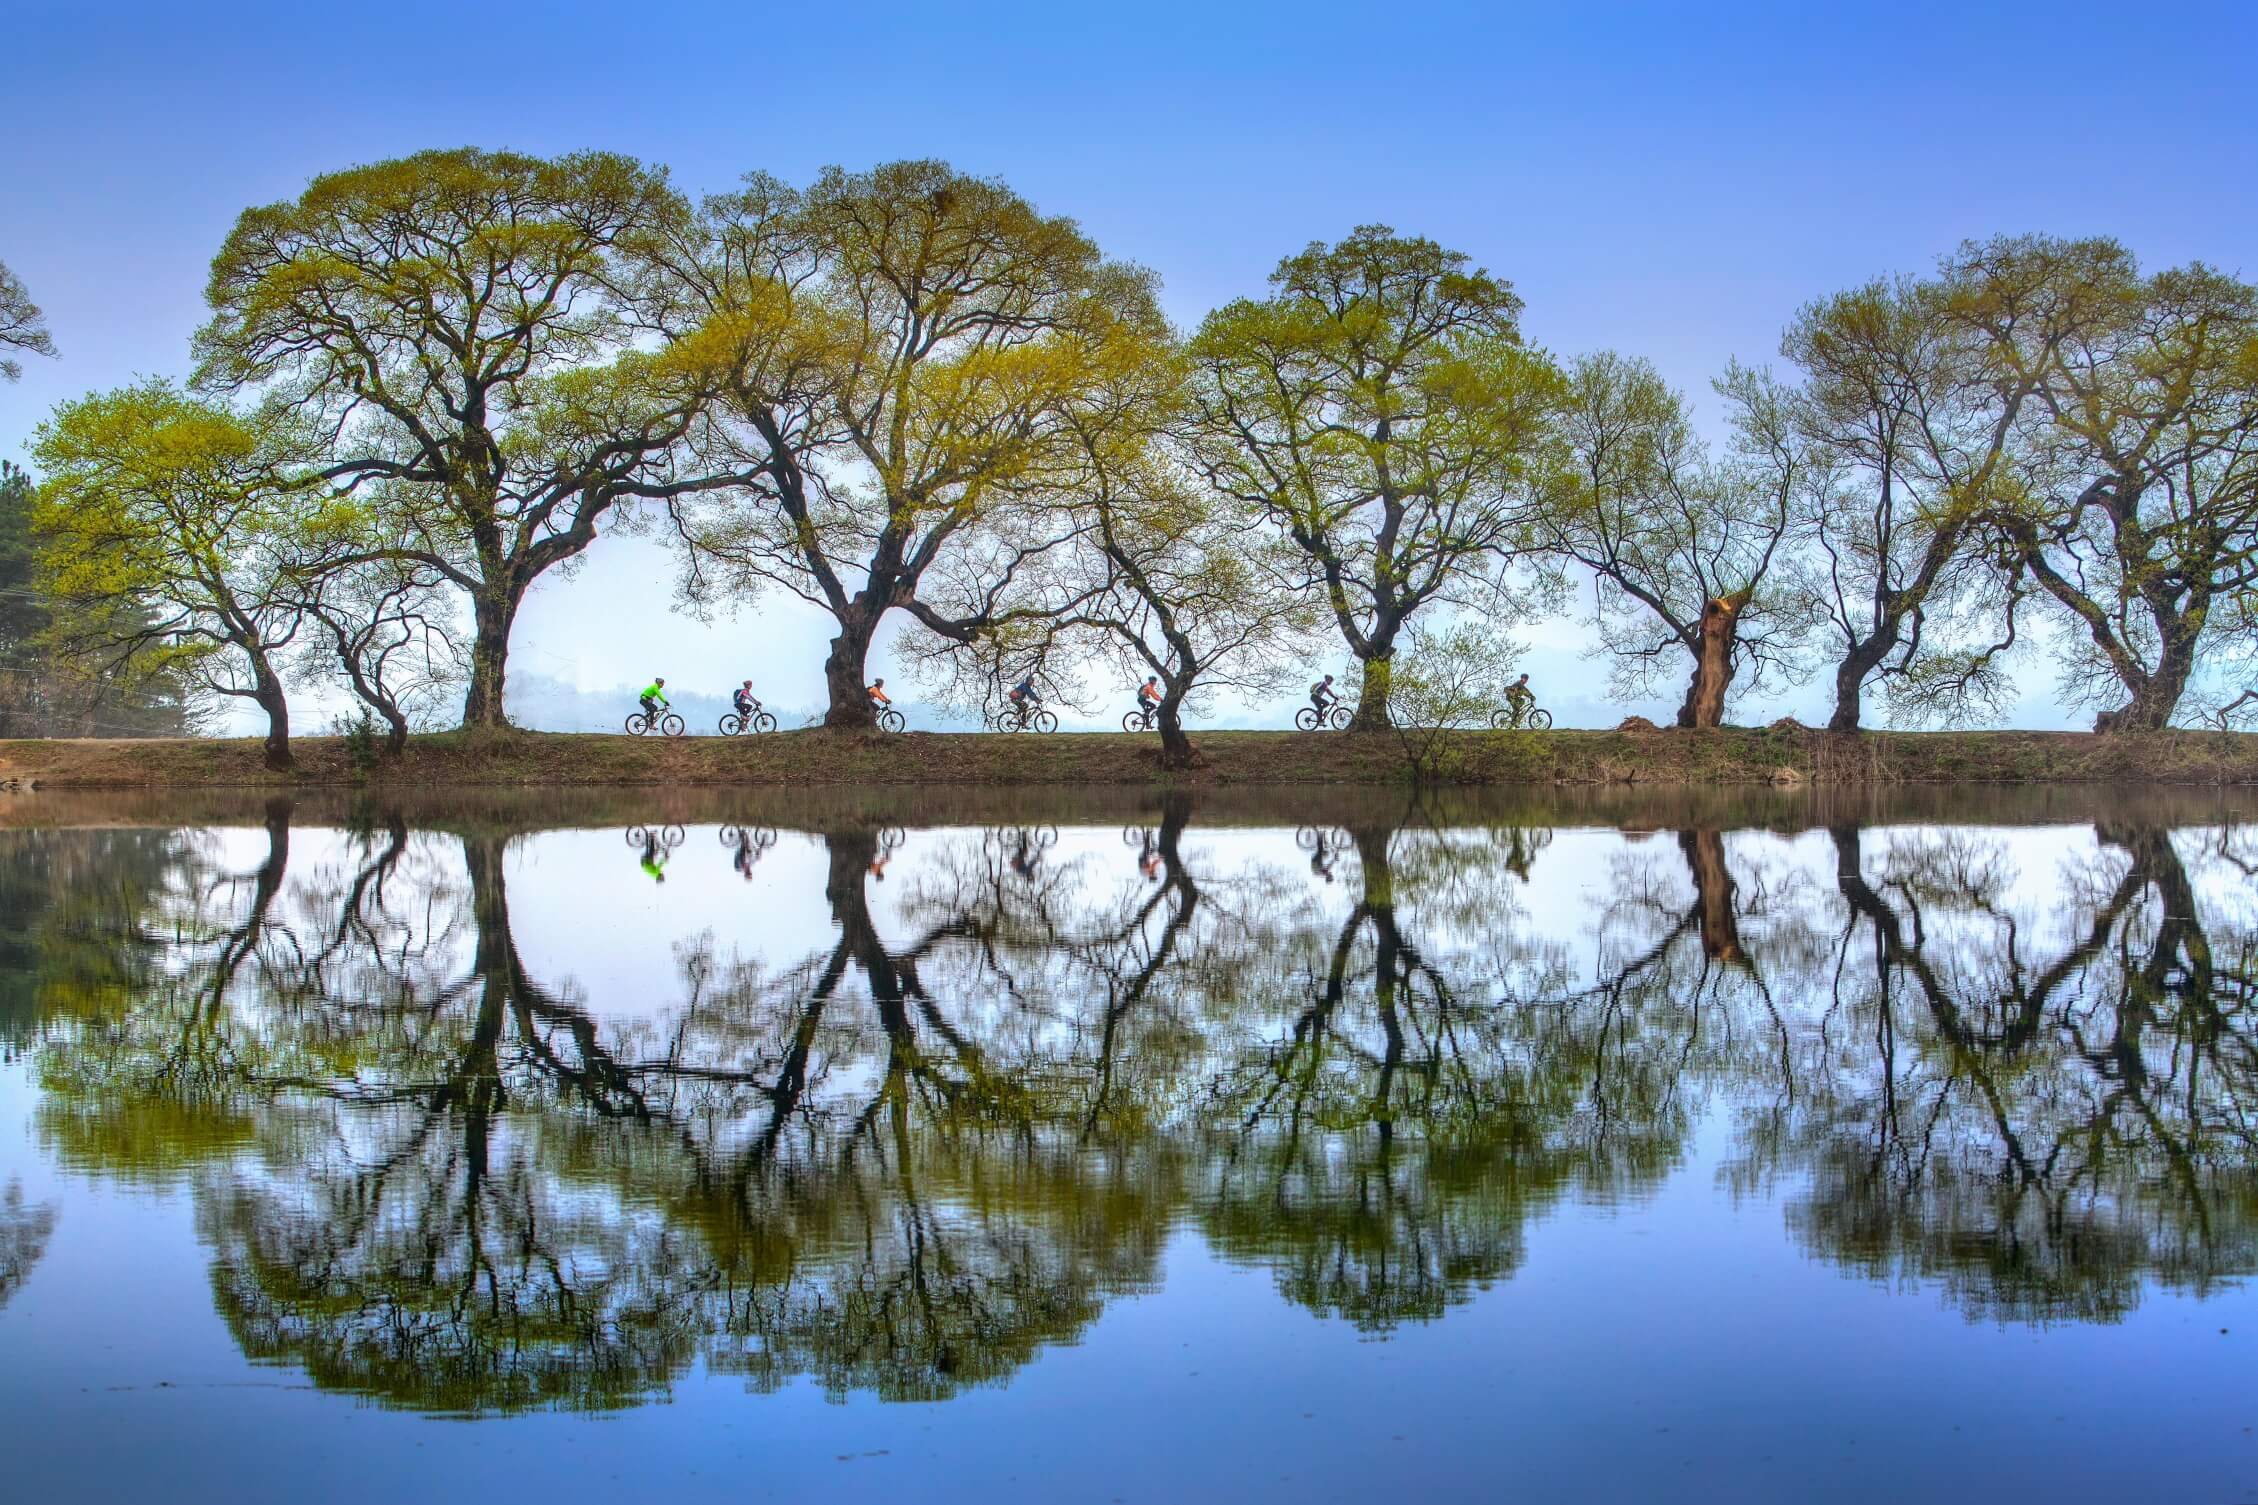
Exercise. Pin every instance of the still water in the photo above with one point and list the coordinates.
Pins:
(1285, 1146)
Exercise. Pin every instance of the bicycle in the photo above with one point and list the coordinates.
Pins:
(1026, 719)
(733, 723)
(1140, 721)
(1335, 717)
(1534, 718)
(667, 724)
(758, 838)
(890, 720)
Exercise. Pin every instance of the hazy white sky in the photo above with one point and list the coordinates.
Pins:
(1669, 180)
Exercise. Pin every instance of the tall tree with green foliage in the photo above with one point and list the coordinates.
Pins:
(911, 346)
(2140, 520)
(1380, 409)
(22, 326)
(452, 321)
(170, 529)
(1915, 416)
(1681, 547)
(46, 690)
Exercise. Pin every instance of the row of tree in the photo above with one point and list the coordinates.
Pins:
(429, 382)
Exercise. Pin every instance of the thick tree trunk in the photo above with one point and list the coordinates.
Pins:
(493, 614)
(270, 699)
(843, 674)
(1714, 640)
(2157, 696)
(1175, 746)
(395, 731)
(1372, 696)
(1850, 680)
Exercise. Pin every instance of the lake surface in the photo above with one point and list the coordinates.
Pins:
(1077, 1145)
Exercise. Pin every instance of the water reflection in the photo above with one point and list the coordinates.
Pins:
(905, 1151)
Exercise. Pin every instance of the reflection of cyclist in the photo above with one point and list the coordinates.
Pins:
(1519, 697)
(1023, 854)
(1321, 696)
(744, 859)
(878, 865)
(654, 698)
(653, 862)
(1321, 861)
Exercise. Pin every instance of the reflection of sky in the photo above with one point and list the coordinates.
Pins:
(1663, 179)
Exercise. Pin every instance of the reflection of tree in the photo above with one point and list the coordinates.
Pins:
(2039, 1117)
(942, 1138)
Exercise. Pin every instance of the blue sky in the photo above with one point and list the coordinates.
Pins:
(1669, 180)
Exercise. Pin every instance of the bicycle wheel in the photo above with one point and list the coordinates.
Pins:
(890, 720)
(1042, 721)
(672, 725)
(732, 724)
(1308, 838)
(635, 836)
(673, 836)
(763, 721)
(1134, 721)
(1541, 720)
(1307, 719)
(763, 839)
(1501, 721)
(637, 724)
(733, 836)
(1341, 717)
(1045, 837)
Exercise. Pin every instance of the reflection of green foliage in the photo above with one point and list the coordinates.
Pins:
(905, 1165)
(70, 902)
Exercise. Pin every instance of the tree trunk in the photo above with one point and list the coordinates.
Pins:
(494, 613)
(270, 699)
(2157, 696)
(1175, 747)
(1850, 681)
(1714, 640)
(843, 674)
(395, 731)
(1372, 697)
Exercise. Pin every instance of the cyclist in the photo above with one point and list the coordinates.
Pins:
(654, 699)
(653, 862)
(1148, 697)
(744, 699)
(879, 700)
(1321, 696)
(1518, 698)
(1024, 698)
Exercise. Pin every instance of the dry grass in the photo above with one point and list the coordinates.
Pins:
(821, 758)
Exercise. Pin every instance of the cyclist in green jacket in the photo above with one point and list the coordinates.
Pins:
(654, 698)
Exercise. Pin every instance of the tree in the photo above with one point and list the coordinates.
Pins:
(1680, 547)
(22, 326)
(2142, 522)
(46, 690)
(170, 527)
(385, 625)
(452, 320)
(1380, 409)
(910, 347)
(1913, 411)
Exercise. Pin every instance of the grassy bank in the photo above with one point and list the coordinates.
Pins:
(816, 758)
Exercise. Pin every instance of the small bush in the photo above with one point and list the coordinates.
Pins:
(363, 742)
